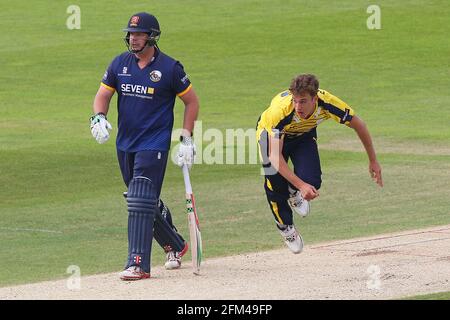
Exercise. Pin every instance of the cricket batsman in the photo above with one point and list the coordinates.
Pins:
(147, 82)
(287, 130)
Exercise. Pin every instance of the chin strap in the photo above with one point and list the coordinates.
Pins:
(137, 51)
(151, 42)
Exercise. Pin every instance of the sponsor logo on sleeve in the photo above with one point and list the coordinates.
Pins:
(346, 116)
(185, 79)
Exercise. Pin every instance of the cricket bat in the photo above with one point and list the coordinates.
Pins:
(194, 228)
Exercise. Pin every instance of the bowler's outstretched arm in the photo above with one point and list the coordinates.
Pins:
(363, 133)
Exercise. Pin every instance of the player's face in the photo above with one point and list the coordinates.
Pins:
(138, 40)
(304, 104)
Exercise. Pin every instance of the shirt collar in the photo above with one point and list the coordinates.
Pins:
(155, 56)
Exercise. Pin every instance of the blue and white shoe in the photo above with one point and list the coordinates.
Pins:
(292, 238)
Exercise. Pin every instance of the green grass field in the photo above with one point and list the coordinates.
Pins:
(60, 199)
(434, 296)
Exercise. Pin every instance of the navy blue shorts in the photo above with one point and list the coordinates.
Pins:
(147, 163)
(304, 155)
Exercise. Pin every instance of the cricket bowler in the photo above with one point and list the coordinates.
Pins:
(287, 130)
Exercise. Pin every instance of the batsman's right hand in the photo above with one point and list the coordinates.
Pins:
(100, 127)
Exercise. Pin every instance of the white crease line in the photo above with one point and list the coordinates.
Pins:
(384, 247)
(409, 243)
(33, 230)
(352, 241)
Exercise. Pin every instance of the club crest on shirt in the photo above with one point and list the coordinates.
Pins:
(155, 75)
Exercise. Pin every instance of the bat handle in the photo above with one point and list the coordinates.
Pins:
(187, 180)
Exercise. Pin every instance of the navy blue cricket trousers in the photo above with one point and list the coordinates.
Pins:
(304, 155)
(148, 163)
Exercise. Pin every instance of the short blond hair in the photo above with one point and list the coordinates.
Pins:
(304, 83)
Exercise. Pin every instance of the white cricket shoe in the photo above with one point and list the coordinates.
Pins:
(298, 204)
(173, 260)
(292, 238)
(134, 273)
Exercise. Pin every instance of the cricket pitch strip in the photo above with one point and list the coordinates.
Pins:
(386, 266)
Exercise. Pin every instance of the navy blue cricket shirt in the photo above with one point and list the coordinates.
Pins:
(146, 98)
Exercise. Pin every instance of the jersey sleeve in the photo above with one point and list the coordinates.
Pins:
(273, 123)
(337, 109)
(109, 80)
(181, 82)
(277, 116)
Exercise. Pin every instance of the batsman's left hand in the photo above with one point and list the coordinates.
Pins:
(186, 152)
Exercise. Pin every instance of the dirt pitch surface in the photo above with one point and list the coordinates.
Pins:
(381, 267)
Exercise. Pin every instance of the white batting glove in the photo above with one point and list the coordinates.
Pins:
(186, 152)
(100, 127)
